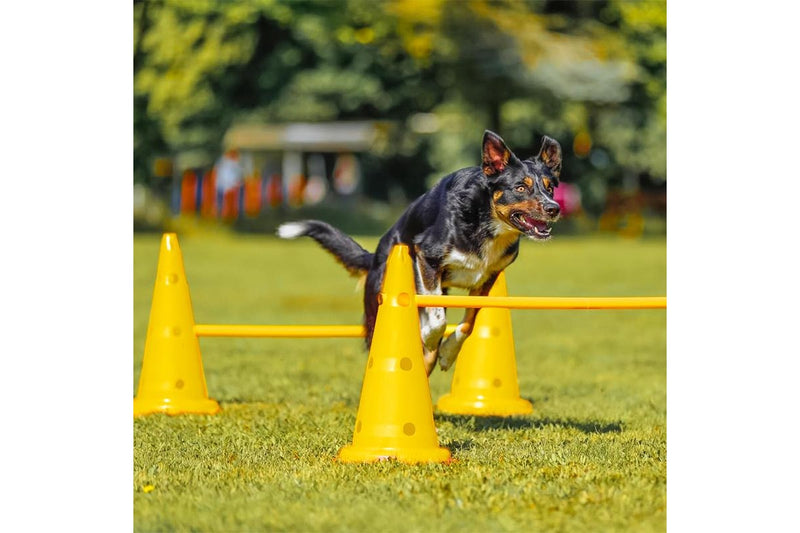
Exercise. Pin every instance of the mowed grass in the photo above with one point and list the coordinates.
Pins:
(592, 457)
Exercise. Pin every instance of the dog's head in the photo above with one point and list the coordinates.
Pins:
(522, 191)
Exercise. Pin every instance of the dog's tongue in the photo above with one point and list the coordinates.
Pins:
(533, 223)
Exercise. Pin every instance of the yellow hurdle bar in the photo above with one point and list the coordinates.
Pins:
(281, 331)
(430, 300)
(543, 302)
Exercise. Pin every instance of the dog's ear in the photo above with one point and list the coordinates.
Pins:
(496, 155)
(550, 155)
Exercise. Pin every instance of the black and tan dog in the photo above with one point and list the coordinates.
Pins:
(462, 233)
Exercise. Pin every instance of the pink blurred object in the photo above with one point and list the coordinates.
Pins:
(568, 197)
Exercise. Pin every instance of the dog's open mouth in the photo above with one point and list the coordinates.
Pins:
(530, 226)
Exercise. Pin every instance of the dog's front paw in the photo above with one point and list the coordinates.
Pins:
(448, 352)
(429, 358)
(445, 365)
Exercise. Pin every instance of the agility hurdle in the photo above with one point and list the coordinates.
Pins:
(395, 415)
(285, 331)
(423, 300)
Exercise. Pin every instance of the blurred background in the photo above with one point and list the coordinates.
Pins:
(247, 114)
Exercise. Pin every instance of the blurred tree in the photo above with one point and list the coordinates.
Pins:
(635, 130)
(591, 74)
(185, 57)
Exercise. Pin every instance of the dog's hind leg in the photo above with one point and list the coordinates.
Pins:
(372, 288)
(432, 320)
(448, 351)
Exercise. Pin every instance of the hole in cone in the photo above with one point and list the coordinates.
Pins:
(409, 429)
(172, 331)
(497, 382)
(358, 426)
(179, 384)
(171, 279)
(405, 363)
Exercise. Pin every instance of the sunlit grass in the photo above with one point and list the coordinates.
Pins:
(592, 456)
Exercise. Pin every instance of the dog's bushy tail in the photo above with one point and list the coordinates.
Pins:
(348, 252)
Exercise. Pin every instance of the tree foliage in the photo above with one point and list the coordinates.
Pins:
(591, 74)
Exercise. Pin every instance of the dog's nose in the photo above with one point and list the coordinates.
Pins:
(552, 209)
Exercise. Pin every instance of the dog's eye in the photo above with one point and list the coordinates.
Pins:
(521, 188)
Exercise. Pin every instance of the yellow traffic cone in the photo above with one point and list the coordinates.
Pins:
(485, 378)
(172, 379)
(395, 414)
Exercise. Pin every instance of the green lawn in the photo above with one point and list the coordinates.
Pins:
(592, 457)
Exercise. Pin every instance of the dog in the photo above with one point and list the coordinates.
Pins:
(461, 233)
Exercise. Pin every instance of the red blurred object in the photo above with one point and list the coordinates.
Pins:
(252, 196)
(568, 197)
(274, 190)
(230, 204)
(208, 202)
(189, 192)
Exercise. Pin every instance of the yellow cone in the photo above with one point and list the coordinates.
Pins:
(395, 414)
(485, 378)
(172, 379)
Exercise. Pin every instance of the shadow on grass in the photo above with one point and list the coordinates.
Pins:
(487, 423)
(459, 445)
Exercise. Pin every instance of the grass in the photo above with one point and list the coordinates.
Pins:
(591, 458)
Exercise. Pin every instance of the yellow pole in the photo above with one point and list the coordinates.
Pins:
(283, 331)
(543, 302)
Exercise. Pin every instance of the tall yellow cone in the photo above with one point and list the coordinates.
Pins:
(485, 378)
(395, 414)
(172, 379)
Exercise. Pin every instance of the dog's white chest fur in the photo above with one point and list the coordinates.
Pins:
(469, 270)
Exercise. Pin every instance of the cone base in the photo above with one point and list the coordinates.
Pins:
(452, 404)
(203, 406)
(352, 454)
